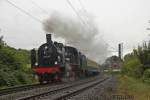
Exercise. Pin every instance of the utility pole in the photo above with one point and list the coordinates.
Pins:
(120, 50)
(1, 37)
(149, 24)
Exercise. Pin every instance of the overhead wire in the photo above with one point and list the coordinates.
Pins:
(38, 20)
(34, 3)
(81, 4)
(84, 9)
(73, 8)
(23, 11)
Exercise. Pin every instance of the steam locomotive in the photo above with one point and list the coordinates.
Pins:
(54, 61)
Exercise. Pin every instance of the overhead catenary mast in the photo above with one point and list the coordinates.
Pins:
(120, 50)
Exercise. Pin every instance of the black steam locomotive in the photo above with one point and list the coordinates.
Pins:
(54, 62)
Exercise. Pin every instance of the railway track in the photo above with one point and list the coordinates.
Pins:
(18, 89)
(69, 94)
(65, 92)
(36, 89)
(23, 88)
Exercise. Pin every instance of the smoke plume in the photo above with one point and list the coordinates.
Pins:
(84, 36)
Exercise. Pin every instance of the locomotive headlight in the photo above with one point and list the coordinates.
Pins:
(46, 47)
(67, 59)
(56, 62)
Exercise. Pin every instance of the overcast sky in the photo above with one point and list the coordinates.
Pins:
(118, 20)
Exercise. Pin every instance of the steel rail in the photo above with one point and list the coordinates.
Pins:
(23, 88)
(55, 91)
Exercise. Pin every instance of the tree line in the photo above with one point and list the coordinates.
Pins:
(14, 66)
(137, 63)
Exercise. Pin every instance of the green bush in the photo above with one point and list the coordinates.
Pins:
(22, 77)
(137, 63)
(7, 79)
(146, 76)
(2, 78)
(14, 66)
(132, 67)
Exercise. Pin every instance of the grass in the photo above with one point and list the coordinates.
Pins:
(134, 87)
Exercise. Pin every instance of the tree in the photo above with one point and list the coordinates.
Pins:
(13, 66)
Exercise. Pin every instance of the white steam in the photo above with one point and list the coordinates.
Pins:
(85, 37)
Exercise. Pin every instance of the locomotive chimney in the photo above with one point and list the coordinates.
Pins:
(48, 38)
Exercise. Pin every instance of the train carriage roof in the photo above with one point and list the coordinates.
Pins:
(91, 63)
